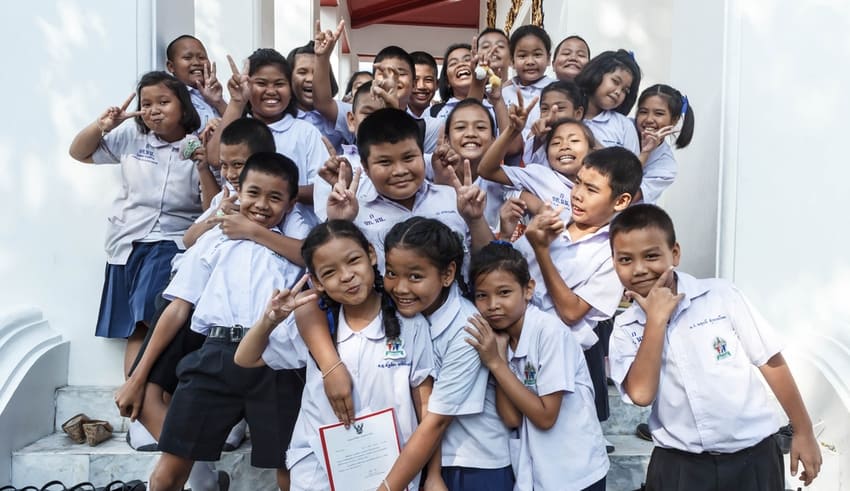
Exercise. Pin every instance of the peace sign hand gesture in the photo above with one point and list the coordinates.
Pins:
(518, 113)
(114, 116)
(324, 41)
(284, 302)
(239, 84)
(470, 198)
(342, 202)
(211, 88)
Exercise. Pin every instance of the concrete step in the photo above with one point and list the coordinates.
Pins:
(95, 401)
(57, 457)
(624, 417)
(628, 462)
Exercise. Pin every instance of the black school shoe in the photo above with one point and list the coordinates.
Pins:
(642, 432)
(223, 481)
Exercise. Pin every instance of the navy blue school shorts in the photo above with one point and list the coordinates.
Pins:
(213, 394)
(164, 370)
(758, 468)
(471, 479)
(130, 290)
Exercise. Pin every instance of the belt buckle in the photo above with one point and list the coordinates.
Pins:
(237, 332)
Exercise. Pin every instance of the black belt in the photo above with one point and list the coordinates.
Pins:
(234, 334)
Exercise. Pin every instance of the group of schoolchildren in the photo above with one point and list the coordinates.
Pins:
(463, 263)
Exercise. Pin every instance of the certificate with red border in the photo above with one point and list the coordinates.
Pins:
(360, 457)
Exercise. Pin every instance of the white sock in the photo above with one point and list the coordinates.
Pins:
(237, 433)
(139, 435)
(203, 477)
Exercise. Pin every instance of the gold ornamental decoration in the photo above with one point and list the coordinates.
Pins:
(536, 14)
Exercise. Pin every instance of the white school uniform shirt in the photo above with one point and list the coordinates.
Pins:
(497, 194)
(587, 268)
(612, 129)
(476, 437)
(204, 109)
(658, 173)
(335, 131)
(545, 183)
(433, 127)
(571, 454)
(529, 92)
(229, 281)
(378, 214)
(160, 194)
(381, 378)
(530, 155)
(710, 397)
(449, 106)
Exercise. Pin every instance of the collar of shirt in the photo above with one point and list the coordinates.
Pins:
(603, 117)
(528, 323)
(157, 142)
(540, 84)
(685, 283)
(372, 194)
(349, 149)
(374, 330)
(601, 234)
(282, 124)
(443, 317)
(424, 113)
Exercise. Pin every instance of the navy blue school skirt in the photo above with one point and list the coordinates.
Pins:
(130, 290)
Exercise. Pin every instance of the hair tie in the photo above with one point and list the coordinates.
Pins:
(502, 243)
(632, 54)
(331, 324)
(684, 104)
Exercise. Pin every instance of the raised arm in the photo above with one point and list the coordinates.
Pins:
(239, 87)
(471, 201)
(249, 353)
(543, 229)
(323, 46)
(490, 165)
(87, 140)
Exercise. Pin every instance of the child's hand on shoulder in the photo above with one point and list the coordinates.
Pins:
(239, 84)
(660, 302)
(284, 302)
(805, 450)
(492, 347)
(545, 227)
(114, 116)
(471, 199)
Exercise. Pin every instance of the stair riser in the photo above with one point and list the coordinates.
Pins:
(94, 402)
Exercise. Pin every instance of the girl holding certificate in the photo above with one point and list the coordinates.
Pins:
(388, 358)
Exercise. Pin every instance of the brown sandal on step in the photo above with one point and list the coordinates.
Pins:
(74, 427)
(97, 431)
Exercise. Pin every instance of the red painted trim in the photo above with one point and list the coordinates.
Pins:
(329, 3)
(431, 24)
(375, 13)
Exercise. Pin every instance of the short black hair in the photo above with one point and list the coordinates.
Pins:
(530, 30)
(250, 132)
(443, 86)
(643, 216)
(268, 56)
(169, 51)
(499, 256)
(387, 125)
(466, 103)
(189, 119)
(622, 168)
(423, 58)
(396, 52)
(353, 77)
(590, 77)
(274, 164)
(569, 89)
(307, 49)
(364, 89)
(489, 30)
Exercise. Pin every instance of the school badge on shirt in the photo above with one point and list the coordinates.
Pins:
(395, 349)
(720, 348)
(529, 375)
